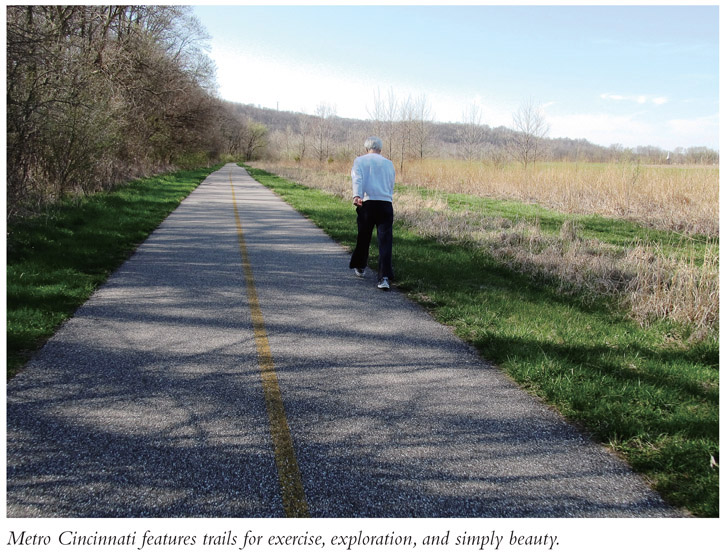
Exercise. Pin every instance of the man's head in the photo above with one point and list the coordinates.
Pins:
(374, 144)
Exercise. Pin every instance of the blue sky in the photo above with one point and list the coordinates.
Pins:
(634, 75)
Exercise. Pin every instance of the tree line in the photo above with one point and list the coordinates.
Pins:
(101, 94)
(409, 131)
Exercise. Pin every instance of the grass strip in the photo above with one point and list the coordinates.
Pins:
(56, 261)
(640, 391)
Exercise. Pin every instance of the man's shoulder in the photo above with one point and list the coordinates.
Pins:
(385, 161)
(374, 159)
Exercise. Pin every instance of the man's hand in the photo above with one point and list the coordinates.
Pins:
(357, 201)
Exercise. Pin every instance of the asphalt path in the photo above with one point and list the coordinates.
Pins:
(154, 400)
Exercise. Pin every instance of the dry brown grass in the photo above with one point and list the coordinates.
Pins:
(649, 282)
(684, 199)
(680, 289)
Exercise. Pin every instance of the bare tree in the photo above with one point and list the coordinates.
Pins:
(233, 130)
(405, 127)
(531, 125)
(472, 132)
(495, 155)
(323, 131)
(385, 115)
(421, 125)
(305, 128)
(255, 139)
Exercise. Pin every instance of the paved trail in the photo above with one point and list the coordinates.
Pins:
(234, 366)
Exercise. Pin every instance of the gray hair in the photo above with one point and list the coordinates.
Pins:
(373, 143)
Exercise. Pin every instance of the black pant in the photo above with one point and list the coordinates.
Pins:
(374, 213)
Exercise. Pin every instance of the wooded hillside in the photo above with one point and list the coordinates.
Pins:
(296, 135)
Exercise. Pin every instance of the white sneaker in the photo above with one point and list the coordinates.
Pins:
(384, 284)
(359, 272)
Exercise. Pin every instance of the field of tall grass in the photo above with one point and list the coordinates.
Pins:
(647, 236)
(683, 199)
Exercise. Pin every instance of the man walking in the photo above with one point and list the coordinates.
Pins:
(373, 183)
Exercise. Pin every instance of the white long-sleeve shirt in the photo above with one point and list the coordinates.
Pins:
(373, 177)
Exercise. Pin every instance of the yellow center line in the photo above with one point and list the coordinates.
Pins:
(290, 479)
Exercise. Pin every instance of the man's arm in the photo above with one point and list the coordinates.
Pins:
(357, 191)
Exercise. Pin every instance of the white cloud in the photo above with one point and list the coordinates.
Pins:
(272, 82)
(602, 129)
(640, 99)
(449, 106)
(631, 130)
(694, 132)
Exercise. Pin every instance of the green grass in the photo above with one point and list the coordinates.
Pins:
(644, 392)
(55, 261)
